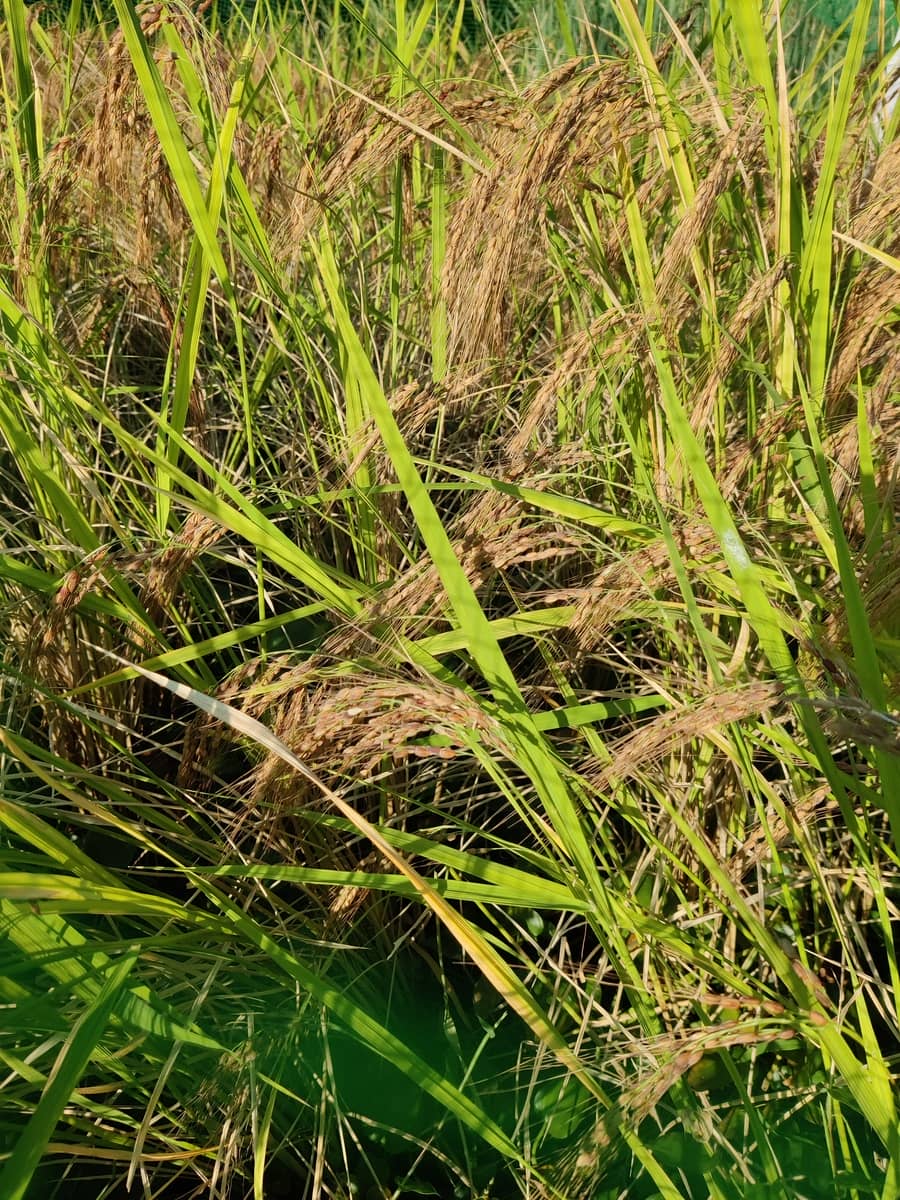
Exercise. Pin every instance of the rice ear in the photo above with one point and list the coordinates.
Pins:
(662, 734)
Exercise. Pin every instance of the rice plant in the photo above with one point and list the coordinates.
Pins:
(450, 737)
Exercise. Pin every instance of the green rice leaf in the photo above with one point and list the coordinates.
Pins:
(73, 1058)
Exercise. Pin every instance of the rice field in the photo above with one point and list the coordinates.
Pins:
(449, 619)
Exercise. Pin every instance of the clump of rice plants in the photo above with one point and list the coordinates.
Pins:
(448, 581)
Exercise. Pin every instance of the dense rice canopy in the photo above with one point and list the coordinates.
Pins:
(499, 449)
